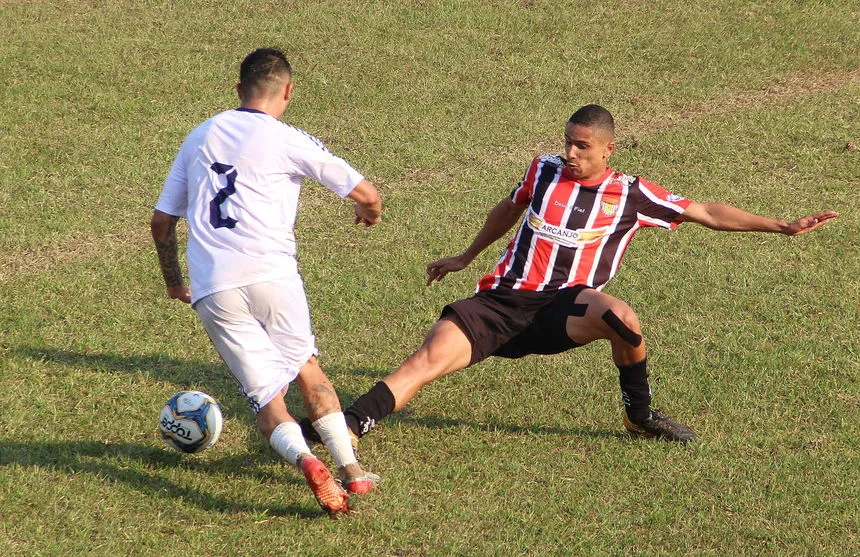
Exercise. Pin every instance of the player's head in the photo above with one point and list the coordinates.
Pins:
(596, 117)
(265, 72)
(589, 140)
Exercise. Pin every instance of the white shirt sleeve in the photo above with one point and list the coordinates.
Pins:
(317, 163)
(174, 194)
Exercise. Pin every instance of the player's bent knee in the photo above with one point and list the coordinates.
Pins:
(622, 325)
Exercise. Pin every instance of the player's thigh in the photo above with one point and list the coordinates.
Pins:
(282, 308)
(243, 344)
(597, 316)
(446, 347)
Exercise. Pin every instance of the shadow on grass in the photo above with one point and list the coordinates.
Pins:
(212, 377)
(140, 468)
(435, 422)
(161, 367)
(191, 372)
(183, 373)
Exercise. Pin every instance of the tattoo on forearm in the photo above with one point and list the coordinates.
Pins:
(168, 258)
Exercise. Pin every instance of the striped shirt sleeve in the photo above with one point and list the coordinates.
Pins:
(524, 192)
(659, 207)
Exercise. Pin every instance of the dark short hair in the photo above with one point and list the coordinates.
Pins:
(594, 116)
(262, 67)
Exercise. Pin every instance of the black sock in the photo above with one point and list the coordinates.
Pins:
(308, 431)
(369, 409)
(635, 391)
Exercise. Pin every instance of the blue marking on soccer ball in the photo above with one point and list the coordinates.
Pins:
(191, 421)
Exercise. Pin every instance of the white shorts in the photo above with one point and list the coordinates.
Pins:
(263, 334)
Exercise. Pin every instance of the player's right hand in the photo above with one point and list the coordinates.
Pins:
(181, 293)
(438, 269)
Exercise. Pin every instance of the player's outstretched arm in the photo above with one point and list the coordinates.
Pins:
(501, 218)
(368, 203)
(163, 228)
(717, 216)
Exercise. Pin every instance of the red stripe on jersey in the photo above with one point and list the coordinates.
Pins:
(610, 207)
(622, 247)
(553, 212)
(588, 254)
(491, 281)
(537, 264)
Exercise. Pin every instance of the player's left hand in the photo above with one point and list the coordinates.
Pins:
(366, 216)
(808, 223)
(181, 293)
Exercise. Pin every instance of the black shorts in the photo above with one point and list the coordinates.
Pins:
(515, 323)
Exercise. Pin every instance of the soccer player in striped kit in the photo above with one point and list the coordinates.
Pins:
(544, 295)
(236, 180)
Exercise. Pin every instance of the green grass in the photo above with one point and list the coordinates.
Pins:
(752, 338)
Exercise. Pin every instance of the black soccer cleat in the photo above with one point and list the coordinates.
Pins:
(659, 426)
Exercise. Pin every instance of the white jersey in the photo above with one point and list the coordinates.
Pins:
(236, 180)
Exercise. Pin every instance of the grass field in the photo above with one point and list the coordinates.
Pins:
(442, 103)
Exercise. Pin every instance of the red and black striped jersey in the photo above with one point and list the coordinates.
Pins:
(575, 232)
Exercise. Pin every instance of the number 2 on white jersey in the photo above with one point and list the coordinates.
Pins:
(216, 219)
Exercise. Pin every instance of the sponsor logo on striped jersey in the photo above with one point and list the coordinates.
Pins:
(562, 235)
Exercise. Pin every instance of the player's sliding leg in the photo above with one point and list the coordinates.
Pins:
(446, 349)
(606, 317)
(327, 420)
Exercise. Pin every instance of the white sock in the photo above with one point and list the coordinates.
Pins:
(335, 434)
(288, 441)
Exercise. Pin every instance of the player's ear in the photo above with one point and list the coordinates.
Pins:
(288, 92)
(610, 148)
(239, 91)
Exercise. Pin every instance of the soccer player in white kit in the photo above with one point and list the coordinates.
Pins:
(236, 180)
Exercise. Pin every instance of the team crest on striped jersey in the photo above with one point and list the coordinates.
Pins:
(609, 205)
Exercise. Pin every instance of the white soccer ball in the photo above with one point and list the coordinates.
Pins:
(191, 421)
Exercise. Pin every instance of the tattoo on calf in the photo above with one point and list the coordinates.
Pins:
(323, 402)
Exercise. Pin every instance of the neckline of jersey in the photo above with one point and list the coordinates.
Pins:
(252, 110)
(590, 183)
